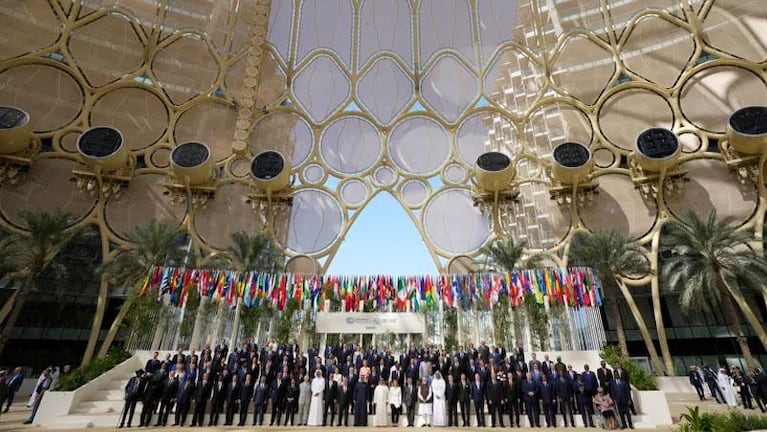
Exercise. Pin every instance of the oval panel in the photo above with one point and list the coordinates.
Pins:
(240, 167)
(604, 158)
(627, 113)
(712, 185)
(455, 173)
(711, 95)
(419, 145)
(472, 138)
(209, 123)
(160, 158)
(231, 204)
(48, 187)
(314, 173)
(384, 176)
(453, 224)
(353, 192)
(414, 192)
(139, 114)
(144, 200)
(316, 221)
(618, 206)
(350, 145)
(50, 96)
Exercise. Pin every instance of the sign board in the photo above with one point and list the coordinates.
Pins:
(370, 322)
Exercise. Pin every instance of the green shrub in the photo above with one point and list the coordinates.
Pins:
(82, 375)
(640, 379)
(731, 421)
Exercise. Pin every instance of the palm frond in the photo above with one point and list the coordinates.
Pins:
(248, 252)
(152, 244)
(609, 253)
(706, 254)
(505, 254)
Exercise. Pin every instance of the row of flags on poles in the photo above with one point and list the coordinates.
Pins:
(574, 286)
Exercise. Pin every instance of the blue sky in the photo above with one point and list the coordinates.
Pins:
(383, 240)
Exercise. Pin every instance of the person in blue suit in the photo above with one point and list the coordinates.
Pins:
(621, 393)
(585, 404)
(478, 397)
(547, 398)
(530, 394)
(563, 389)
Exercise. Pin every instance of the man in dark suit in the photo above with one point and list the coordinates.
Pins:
(563, 389)
(153, 364)
(531, 394)
(152, 396)
(451, 399)
(14, 384)
(547, 399)
(409, 399)
(493, 392)
(331, 401)
(183, 400)
(590, 385)
(511, 388)
(464, 398)
(134, 392)
(697, 381)
(344, 398)
(360, 397)
(621, 395)
(217, 399)
(169, 393)
(260, 398)
(201, 395)
(233, 394)
(478, 396)
(277, 394)
(605, 376)
(247, 393)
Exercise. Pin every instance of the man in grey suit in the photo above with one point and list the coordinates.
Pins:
(409, 398)
(304, 400)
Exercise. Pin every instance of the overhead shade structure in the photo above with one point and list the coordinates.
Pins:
(270, 171)
(747, 130)
(103, 147)
(656, 149)
(15, 130)
(573, 162)
(192, 163)
(494, 171)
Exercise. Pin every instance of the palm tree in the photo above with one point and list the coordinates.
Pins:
(248, 252)
(613, 256)
(28, 255)
(510, 255)
(712, 268)
(149, 245)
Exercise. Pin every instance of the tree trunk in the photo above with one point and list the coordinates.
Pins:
(752, 319)
(659, 324)
(21, 298)
(8, 306)
(734, 320)
(110, 337)
(98, 318)
(616, 315)
(642, 328)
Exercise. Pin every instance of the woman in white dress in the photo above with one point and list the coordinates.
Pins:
(438, 390)
(725, 384)
(425, 398)
(381, 401)
(315, 407)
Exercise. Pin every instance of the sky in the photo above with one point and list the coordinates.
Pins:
(383, 240)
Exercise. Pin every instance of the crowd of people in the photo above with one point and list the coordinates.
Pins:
(441, 388)
(10, 385)
(724, 384)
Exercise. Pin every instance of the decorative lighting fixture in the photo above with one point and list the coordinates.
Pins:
(106, 167)
(495, 190)
(272, 198)
(746, 142)
(571, 175)
(655, 160)
(17, 146)
(192, 179)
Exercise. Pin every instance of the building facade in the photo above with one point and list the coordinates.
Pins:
(372, 96)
